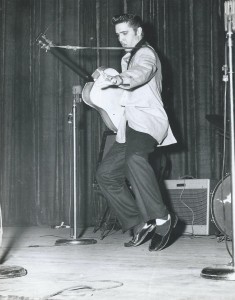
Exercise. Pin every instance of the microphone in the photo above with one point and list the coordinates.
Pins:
(77, 98)
(77, 91)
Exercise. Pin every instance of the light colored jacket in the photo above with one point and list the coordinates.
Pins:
(142, 84)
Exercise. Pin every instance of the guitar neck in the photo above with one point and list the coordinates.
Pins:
(61, 55)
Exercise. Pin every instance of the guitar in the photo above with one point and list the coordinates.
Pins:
(105, 100)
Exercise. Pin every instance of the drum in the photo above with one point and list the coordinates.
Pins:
(221, 206)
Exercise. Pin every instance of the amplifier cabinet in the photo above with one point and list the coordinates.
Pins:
(189, 199)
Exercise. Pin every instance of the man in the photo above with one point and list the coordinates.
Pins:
(143, 124)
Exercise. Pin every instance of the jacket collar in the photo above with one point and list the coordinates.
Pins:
(141, 43)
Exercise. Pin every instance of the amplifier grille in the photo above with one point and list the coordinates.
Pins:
(189, 199)
(189, 205)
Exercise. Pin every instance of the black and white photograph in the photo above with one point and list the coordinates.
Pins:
(117, 150)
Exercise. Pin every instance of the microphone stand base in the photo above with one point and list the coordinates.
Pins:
(223, 272)
(11, 272)
(61, 242)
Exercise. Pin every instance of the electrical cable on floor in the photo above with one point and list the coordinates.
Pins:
(88, 288)
(77, 288)
(222, 238)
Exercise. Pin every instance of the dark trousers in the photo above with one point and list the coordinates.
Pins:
(130, 160)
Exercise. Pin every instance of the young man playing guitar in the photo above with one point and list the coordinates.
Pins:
(143, 124)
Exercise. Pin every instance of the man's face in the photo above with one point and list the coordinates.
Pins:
(127, 36)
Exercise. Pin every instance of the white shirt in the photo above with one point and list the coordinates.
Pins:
(142, 84)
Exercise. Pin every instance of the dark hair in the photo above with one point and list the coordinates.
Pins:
(133, 20)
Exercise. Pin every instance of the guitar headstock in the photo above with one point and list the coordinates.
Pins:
(44, 42)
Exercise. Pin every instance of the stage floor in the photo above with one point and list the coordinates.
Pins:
(107, 270)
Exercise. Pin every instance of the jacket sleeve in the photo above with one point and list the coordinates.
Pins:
(143, 67)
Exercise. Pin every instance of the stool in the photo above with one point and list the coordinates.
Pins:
(108, 221)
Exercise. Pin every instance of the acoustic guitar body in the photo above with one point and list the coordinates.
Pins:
(105, 100)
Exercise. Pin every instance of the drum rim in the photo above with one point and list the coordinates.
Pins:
(212, 202)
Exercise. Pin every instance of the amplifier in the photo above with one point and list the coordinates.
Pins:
(189, 199)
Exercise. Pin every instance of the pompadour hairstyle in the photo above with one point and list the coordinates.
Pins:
(133, 20)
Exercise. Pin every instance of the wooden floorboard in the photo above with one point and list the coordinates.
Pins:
(107, 270)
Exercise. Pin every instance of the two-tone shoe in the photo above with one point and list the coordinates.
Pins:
(162, 234)
(140, 236)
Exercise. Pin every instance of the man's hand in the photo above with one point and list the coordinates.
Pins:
(105, 80)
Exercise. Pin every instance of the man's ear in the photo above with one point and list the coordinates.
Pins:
(139, 31)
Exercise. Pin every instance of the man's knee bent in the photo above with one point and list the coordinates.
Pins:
(135, 157)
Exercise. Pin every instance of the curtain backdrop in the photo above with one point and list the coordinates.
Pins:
(36, 98)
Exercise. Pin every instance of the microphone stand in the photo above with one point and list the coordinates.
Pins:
(72, 119)
(227, 272)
